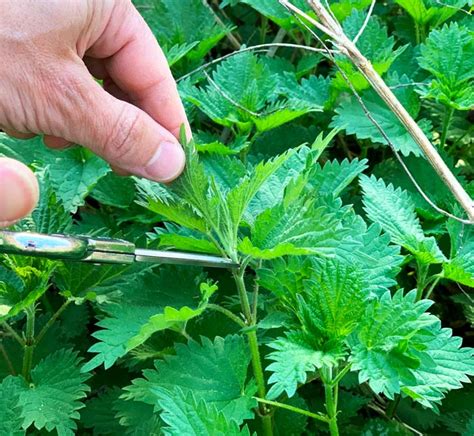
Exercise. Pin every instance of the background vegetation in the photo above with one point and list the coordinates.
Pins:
(354, 296)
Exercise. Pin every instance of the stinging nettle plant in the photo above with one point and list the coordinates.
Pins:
(339, 319)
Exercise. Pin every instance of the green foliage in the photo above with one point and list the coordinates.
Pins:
(222, 363)
(448, 54)
(394, 210)
(336, 320)
(130, 320)
(50, 401)
(243, 92)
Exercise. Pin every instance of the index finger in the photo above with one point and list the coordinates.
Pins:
(136, 63)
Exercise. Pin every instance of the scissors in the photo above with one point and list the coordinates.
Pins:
(99, 250)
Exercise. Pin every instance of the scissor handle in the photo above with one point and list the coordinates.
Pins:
(49, 246)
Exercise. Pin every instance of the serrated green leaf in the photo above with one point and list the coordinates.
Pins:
(294, 357)
(394, 210)
(115, 191)
(139, 419)
(147, 304)
(275, 11)
(333, 301)
(186, 28)
(351, 117)
(242, 92)
(10, 413)
(186, 415)
(99, 414)
(448, 54)
(431, 12)
(55, 394)
(374, 43)
(335, 176)
(222, 363)
(300, 227)
(399, 347)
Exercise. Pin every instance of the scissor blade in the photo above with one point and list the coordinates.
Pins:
(180, 258)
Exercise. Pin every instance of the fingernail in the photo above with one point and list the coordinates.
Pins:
(167, 163)
(18, 191)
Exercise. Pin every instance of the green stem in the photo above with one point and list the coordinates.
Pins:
(13, 333)
(331, 393)
(341, 375)
(392, 408)
(51, 321)
(5, 355)
(319, 417)
(254, 351)
(417, 33)
(227, 313)
(433, 285)
(446, 123)
(29, 341)
(421, 274)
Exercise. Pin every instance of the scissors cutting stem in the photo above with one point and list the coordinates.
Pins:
(99, 250)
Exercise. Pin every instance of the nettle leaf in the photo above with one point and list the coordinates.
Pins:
(399, 347)
(335, 176)
(295, 356)
(444, 367)
(184, 414)
(351, 117)
(53, 398)
(374, 44)
(333, 301)
(460, 267)
(24, 287)
(297, 227)
(115, 191)
(185, 28)
(49, 216)
(394, 210)
(243, 91)
(137, 418)
(328, 307)
(448, 54)
(148, 304)
(99, 414)
(10, 413)
(277, 12)
(431, 12)
(391, 171)
(223, 363)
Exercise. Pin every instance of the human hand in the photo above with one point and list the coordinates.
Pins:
(51, 50)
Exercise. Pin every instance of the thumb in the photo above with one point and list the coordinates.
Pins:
(19, 191)
(124, 135)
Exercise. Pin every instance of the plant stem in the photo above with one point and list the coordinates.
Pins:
(51, 321)
(13, 333)
(319, 417)
(254, 351)
(392, 408)
(433, 285)
(446, 123)
(228, 314)
(29, 341)
(3, 351)
(421, 273)
(331, 394)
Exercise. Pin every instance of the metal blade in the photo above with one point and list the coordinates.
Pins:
(181, 258)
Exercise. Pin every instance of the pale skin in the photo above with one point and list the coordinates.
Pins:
(51, 51)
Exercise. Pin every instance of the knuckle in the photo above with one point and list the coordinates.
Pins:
(124, 134)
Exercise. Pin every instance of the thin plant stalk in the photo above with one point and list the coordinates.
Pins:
(254, 351)
(29, 342)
